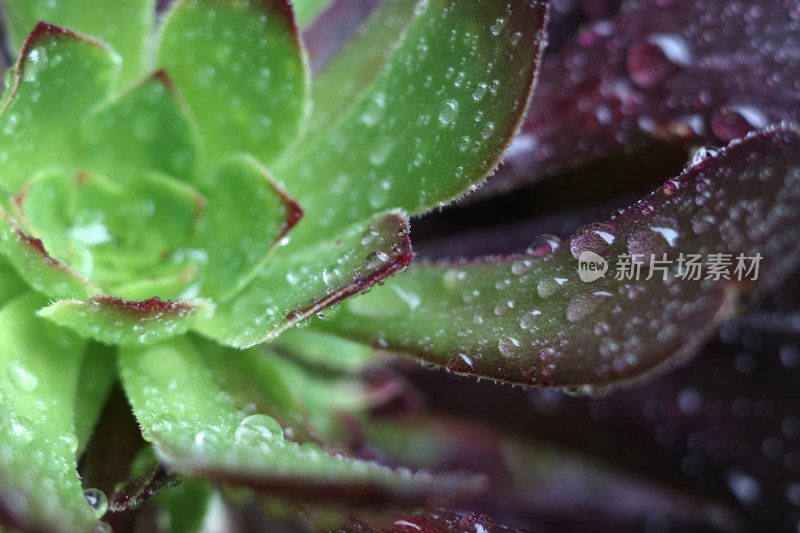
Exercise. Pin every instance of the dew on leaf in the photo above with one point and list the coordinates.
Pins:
(22, 378)
(255, 429)
(97, 500)
(448, 112)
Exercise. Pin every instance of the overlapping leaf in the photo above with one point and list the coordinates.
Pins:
(125, 26)
(41, 490)
(706, 71)
(432, 124)
(302, 282)
(242, 70)
(197, 429)
(530, 319)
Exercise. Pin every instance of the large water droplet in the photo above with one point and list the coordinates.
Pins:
(703, 153)
(255, 429)
(584, 305)
(596, 238)
(549, 286)
(97, 500)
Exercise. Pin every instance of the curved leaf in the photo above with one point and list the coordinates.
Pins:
(39, 485)
(36, 266)
(244, 222)
(96, 379)
(146, 128)
(197, 430)
(59, 77)
(112, 232)
(123, 25)
(240, 66)
(680, 72)
(297, 284)
(434, 122)
(345, 79)
(111, 320)
(531, 319)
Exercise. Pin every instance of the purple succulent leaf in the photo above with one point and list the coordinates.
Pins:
(439, 521)
(678, 71)
(525, 319)
(333, 29)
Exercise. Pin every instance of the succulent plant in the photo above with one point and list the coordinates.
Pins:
(197, 230)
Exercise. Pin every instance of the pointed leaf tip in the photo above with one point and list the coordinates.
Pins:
(301, 281)
(113, 320)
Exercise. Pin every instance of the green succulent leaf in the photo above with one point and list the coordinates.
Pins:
(240, 65)
(112, 320)
(148, 127)
(350, 74)
(298, 283)
(10, 283)
(323, 350)
(433, 123)
(521, 318)
(97, 376)
(253, 377)
(244, 196)
(197, 429)
(125, 26)
(130, 239)
(59, 77)
(39, 485)
(36, 266)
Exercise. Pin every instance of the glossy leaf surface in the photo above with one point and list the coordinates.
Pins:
(111, 320)
(531, 319)
(240, 66)
(125, 26)
(302, 282)
(433, 123)
(59, 77)
(40, 486)
(197, 429)
(704, 71)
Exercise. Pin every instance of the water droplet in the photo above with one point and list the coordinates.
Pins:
(521, 266)
(374, 110)
(653, 59)
(585, 305)
(703, 153)
(549, 286)
(480, 91)
(497, 26)
(543, 245)
(330, 276)
(529, 319)
(594, 238)
(378, 195)
(97, 500)
(380, 150)
(255, 429)
(21, 377)
(448, 112)
(102, 527)
(509, 346)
